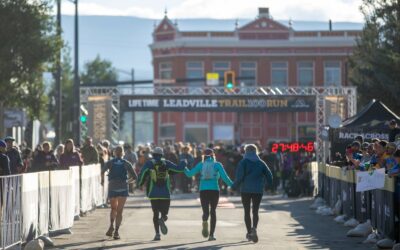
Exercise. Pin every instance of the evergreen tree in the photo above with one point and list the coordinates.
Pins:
(375, 63)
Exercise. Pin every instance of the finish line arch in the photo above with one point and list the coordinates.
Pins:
(106, 102)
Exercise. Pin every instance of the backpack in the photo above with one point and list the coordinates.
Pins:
(208, 171)
(117, 173)
(159, 173)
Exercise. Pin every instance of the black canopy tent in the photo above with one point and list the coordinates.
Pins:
(371, 122)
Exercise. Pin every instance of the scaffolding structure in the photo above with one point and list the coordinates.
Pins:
(349, 95)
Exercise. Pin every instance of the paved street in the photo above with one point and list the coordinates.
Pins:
(284, 224)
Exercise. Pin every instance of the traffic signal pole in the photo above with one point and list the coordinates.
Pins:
(76, 104)
(58, 97)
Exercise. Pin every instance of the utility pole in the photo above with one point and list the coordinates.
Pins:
(58, 124)
(76, 104)
(133, 113)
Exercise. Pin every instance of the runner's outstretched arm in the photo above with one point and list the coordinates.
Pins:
(239, 175)
(175, 168)
(143, 173)
(131, 171)
(224, 175)
(192, 172)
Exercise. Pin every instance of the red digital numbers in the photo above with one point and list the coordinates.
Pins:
(274, 148)
(292, 147)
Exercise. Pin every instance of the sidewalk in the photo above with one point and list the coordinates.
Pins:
(284, 224)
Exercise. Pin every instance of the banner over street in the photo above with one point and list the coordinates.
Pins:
(218, 103)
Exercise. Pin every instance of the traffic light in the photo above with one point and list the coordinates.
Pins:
(229, 80)
(83, 118)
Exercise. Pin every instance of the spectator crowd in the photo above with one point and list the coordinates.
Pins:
(376, 154)
(288, 169)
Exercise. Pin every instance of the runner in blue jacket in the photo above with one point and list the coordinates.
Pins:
(155, 173)
(211, 171)
(252, 174)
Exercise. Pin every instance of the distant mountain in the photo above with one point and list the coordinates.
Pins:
(125, 40)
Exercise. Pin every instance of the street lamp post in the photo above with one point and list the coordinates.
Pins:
(76, 104)
(58, 98)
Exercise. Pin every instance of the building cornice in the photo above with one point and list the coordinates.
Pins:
(225, 43)
(332, 54)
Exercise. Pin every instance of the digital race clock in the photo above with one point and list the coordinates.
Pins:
(292, 147)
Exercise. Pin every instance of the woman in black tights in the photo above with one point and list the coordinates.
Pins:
(251, 176)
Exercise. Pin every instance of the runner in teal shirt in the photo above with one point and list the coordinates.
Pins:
(211, 171)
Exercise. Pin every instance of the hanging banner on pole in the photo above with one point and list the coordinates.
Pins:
(370, 180)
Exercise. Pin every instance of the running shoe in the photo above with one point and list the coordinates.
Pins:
(204, 232)
(163, 227)
(248, 236)
(253, 235)
(110, 232)
(211, 238)
(157, 237)
(116, 235)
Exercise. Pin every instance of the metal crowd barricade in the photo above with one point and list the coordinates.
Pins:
(61, 202)
(33, 204)
(10, 217)
(75, 178)
(348, 187)
(334, 175)
(44, 202)
(92, 193)
(87, 192)
(30, 208)
(382, 208)
(375, 205)
(313, 169)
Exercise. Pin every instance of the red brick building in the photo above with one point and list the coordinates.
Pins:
(265, 53)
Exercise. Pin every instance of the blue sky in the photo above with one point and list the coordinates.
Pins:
(314, 10)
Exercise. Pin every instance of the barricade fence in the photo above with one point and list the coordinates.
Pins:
(35, 204)
(11, 224)
(378, 206)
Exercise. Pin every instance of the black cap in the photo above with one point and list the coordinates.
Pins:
(356, 143)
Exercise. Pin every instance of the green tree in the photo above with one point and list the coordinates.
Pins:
(375, 63)
(28, 44)
(98, 71)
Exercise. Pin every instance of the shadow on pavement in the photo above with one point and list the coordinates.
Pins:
(312, 230)
(186, 245)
